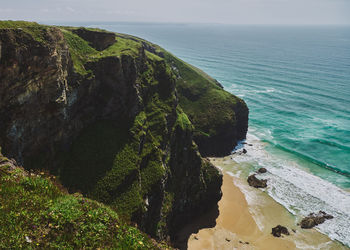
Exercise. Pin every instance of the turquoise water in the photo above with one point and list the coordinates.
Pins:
(296, 82)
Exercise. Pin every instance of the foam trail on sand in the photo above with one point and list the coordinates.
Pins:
(298, 190)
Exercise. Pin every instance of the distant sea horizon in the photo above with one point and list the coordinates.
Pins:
(86, 23)
(296, 82)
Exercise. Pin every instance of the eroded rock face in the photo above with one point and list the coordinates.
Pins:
(255, 182)
(227, 134)
(149, 167)
(33, 88)
(98, 39)
(220, 119)
(313, 220)
(279, 230)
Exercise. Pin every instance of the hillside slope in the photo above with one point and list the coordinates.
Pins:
(101, 111)
(36, 212)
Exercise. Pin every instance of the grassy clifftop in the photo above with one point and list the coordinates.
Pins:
(36, 212)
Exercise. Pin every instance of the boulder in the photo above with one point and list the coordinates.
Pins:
(262, 170)
(315, 219)
(278, 230)
(255, 182)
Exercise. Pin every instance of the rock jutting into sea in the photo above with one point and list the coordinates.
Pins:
(255, 182)
(313, 220)
(262, 170)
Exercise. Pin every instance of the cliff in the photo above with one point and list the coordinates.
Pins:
(118, 119)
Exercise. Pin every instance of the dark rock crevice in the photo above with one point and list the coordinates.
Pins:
(99, 40)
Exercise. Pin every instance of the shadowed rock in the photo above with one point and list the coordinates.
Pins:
(278, 230)
(262, 170)
(98, 39)
(255, 182)
(206, 220)
(315, 219)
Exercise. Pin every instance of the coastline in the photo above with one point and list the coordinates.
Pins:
(246, 217)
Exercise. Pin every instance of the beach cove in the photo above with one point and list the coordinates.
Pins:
(246, 217)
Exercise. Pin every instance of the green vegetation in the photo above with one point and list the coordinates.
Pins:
(183, 121)
(207, 105)
(36, 214)
(80, 51)
(92, 154)
(34, 29)
(120, 162)
(2, 158)
(120, 47)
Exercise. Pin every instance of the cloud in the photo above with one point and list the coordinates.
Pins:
(7, 10)
(120, 12)
(209, 11)
(70, 9)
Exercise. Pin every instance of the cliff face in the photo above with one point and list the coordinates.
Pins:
(109, 124)
(220, 119)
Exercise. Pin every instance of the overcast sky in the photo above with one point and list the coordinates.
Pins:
(183, 11)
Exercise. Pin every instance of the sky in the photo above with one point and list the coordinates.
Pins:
(277, 12)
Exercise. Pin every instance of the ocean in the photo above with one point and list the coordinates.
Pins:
(296, 83)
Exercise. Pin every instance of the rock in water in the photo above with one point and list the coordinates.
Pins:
(315, 219)
(262, 170)
(278, 230)
(255, 182)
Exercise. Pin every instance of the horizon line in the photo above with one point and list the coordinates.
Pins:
(178, 23)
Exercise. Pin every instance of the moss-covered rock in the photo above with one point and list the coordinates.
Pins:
(119, 124)
(220, 118)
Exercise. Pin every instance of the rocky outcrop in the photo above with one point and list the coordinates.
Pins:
(262, 170)
(99, 40)
(33, 91)
(313, 220)
(279, 230)
(109, 124)
(10, 164)
(220, 118)
(255, 182)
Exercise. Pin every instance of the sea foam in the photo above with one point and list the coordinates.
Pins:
(298, 190)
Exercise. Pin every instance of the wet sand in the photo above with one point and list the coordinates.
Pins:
(243, 226)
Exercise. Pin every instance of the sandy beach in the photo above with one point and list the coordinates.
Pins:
(245, 226)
